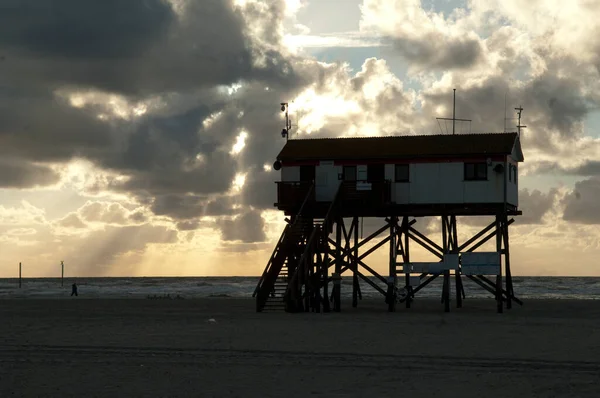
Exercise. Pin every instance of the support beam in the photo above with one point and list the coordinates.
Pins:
(425, 283)
(343, 254)
(325, 273)
(426, 246)
(509, 284)
(337, 294)
(391, 292)
(499, 228)
(355, 285)
(446, 250)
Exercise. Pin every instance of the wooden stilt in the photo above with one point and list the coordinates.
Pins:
(454, 249)
(338, 265)
(355, 285)
(499, 276)
(446, 249)
(509, 284)
(391, 294)
(325, 272)
(406, 260)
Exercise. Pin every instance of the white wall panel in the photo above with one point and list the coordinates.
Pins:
(424, 183)
(290, 173)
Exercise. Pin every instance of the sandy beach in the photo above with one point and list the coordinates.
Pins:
(170, 348)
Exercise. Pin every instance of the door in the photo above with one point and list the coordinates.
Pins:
(326, 182)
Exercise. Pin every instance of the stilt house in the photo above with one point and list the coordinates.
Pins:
(398, 178)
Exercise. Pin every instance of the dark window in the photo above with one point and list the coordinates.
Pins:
(476, 171)
(402, 173)
(515, 174)
(375, 172)
(510, 172)
(349, 173)
(307, 173)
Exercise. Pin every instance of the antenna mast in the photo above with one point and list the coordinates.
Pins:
(519, 127)
(288, 124)
(454, 119)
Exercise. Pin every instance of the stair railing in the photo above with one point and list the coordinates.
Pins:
(288, 228)
(302, 268)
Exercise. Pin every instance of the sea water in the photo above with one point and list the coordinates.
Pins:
(239, 287)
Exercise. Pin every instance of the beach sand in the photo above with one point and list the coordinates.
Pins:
(168, 348)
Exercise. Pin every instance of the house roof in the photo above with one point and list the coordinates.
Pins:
(393, 147)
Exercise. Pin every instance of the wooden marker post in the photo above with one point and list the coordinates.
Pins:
(19, 275)
(62, 273)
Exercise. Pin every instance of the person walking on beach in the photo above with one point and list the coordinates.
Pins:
(74, 289)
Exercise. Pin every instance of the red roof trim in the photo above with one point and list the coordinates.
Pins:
(495, 158)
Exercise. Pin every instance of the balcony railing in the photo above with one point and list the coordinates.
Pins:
(367, 193)
(293, 193)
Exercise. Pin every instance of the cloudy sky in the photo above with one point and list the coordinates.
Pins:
(136, 137)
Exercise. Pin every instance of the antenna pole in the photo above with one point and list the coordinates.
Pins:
(519, 127)
(288, 125)
(505, 93)
(454, 112)
(454, 119)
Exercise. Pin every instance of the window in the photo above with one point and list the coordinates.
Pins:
(512, 174)
(376, 172)
(476, 171)
(307, 173)
(361, 173)
(349, 173)
(402, 173)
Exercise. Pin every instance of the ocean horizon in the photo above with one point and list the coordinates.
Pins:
(526, 287)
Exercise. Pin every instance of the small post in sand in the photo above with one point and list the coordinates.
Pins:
(19, 275)
(62, 273)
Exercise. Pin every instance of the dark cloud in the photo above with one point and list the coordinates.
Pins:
(172, 161)
(188, 225)
(222, 206)
(41, 126)
(434, 51)
(588, 168)
(535, 204)
(138, 217)
(70, 28)
(553, 107)
(247, 228)
(260, 189)
(178, 206)
(16, 173)
(582, 205)
(560, 99)
(138, 48)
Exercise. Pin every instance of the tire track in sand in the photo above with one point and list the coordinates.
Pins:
(250, 357)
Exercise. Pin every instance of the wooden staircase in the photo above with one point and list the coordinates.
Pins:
(275, 300)
(290, 275)
(271, 288)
